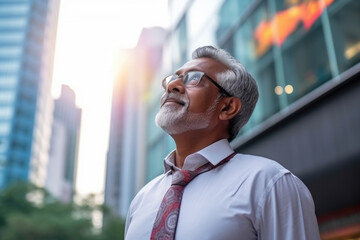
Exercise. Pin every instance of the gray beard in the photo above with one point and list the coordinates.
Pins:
(175, 121)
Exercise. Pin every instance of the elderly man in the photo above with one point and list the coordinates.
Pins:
(207, 191)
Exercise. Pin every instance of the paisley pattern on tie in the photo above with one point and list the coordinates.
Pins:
(166, 219)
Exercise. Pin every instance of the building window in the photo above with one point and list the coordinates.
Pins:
(289, 46)
(10, 51)
(301, 38)
(306, 63)
(8, 81)
(12, 23)
(19, 146)
(6, 112)
(155, 155)
(7, 96)
(3, 144)
(259, 61)
(344, 16)
(4, 129)
(9, 66)
(229, 13)
(12, 9)
(11, 37)
(179, 46)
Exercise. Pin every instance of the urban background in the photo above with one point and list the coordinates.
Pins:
(304, 55)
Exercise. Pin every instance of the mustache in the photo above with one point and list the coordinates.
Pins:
(175, 96)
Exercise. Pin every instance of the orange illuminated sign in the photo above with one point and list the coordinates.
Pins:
(276, 31)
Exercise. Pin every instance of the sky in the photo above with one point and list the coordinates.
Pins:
(90, 35)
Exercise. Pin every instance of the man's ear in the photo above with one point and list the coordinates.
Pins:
(230, 107)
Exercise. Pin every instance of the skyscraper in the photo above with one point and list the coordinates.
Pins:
(60, 180)
(27, 42)
(125, 170)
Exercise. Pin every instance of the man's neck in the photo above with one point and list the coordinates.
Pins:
(187, 144)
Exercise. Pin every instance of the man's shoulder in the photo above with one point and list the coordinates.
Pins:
(257, 165)
(257, 161)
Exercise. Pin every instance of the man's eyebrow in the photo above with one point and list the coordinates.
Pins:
(189, 70)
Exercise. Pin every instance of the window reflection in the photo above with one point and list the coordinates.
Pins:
(9, 23)
(179, 46)
(287, 19)
(11, 37)
(261, 67)
(7, 96)
(344, 18)
(306, 62)
(17, 8)
(290, 46)
(8, 81)
(230, 12)
(10, 51)
(6, 112)
(9, 66)
(4, 128)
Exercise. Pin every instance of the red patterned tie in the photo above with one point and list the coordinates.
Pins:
(167, 216)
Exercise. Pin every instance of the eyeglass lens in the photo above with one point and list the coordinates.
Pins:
(188, 79)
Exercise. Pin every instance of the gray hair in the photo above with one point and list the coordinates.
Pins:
(237, 81)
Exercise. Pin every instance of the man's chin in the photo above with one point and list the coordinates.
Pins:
(168, 122)
(168, 128)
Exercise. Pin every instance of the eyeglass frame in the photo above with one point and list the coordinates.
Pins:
(222, 90)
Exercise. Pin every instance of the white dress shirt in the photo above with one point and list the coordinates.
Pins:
(247, 198)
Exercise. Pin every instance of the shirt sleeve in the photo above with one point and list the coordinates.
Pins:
(127, 221)
(133, 206)
(287, 211)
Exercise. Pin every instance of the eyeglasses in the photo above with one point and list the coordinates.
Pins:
(192, 79)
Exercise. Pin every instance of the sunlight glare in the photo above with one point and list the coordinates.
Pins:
(91, 33)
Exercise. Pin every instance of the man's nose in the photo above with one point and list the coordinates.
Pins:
(176, 85)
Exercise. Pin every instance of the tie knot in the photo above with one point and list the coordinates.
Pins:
(182, 177)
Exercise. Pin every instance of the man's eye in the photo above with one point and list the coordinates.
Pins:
(194, 80)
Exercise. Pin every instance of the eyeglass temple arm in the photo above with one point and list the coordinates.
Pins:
(218, 86)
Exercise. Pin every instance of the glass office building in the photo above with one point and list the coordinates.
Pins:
(64, 146)
(126, 161)
(27, 41)
(305, 57)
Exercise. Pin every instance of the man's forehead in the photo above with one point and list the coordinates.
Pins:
(202, 64)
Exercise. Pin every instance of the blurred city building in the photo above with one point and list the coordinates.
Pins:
(27, 43)
(305, 56)
(60, 180)
(126, 165)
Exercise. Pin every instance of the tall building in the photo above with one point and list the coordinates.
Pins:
(60, 180)
(27, 43)
(305, 57)
(126, 166)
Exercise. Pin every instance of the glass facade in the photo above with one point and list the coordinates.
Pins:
(27, 39)
(291, 47)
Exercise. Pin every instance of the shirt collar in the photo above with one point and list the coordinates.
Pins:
(213, 153)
